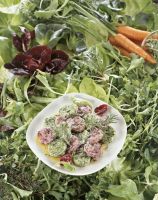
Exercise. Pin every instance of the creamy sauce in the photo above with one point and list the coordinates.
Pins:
(104, 147)
(44, 148)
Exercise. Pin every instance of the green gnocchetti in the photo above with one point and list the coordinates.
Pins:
(81, 160)
(57, 148)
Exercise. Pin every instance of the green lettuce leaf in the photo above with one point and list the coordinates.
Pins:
(50, 34)
(7, 3)
(72, 89)
(134, 7)
(89, 86)
(5, 45)
(127, 190)
(52, 9)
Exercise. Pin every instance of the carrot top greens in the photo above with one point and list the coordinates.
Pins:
(81, 30)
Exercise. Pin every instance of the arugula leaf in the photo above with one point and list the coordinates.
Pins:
(41, 76)
(26, 86)
(136, 62)
(22, 193)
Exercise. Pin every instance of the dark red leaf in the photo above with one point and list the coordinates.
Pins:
(20, 60)
(46, 56)
(19, 65)
(38, 57)
(26, 40)
(9, 66)
(33, 64)
(101, 109)
(17, 41)
(32, 34)
(59, 62)
(6, 128)
(59, 54)
(42, 53)
(66, 158)
(56, 66)
(2, 112)
(22, 43)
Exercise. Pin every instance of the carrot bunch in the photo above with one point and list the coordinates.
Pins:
(128, 40)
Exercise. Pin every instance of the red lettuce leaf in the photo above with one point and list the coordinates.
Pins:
(22, 43)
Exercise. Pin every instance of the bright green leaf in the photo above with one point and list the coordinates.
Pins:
(134, 7)
(49, 34)
(89, 86)
(127, 190)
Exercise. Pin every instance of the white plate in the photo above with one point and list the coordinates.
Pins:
(108, 155)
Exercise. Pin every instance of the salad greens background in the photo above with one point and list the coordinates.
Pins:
(81, 29)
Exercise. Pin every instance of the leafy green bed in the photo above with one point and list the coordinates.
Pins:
(81, 29)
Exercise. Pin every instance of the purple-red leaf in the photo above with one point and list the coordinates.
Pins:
(58, 63)
(20, 60)
(28, 62)
(42, 53)
(6, 128)
(56, 66)
(9, 66)
(39, 57)
(17, 41)
(2, 112)
(60, 54)
(22, 43)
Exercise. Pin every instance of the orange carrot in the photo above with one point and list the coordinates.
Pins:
(132, 33)
(131, 47)
(123, 51)
(139, 43)
(113, 41)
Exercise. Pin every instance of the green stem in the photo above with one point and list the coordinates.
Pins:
(87, 14)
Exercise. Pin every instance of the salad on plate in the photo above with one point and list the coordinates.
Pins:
(77, 134)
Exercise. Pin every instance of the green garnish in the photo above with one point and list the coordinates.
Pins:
(68, 166)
